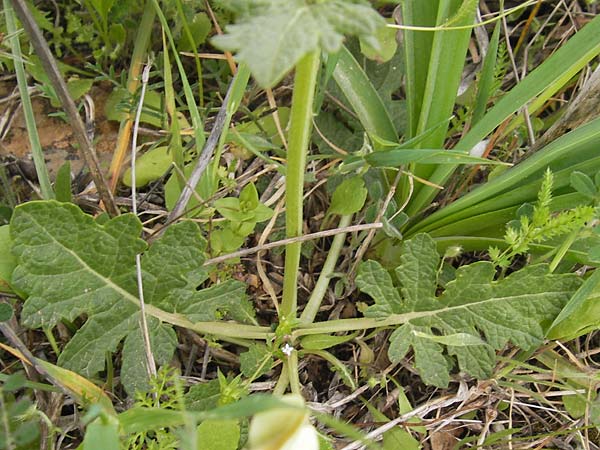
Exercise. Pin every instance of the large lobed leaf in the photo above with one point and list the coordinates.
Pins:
(471, 319)
(271, 36)
(69, 266)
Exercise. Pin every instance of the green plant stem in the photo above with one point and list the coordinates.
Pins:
(299, 136)
(283, 381)
(318, 293)
(52, 341)
(292, 363)
(34, 139)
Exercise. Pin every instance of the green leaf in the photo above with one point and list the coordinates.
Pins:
(256, 362)
(583, 184)
(62, 185)
(77, 87)
(249, 198)
(230, 208)
(262, 213)
(102, 7)
(218, 435)
(102, 434)
(69, 266)
(575, 405)
(397, 157)
(363, 97)
(349, 197)
(6, 312)
(150, 166)
(203, 396)
(378, 284)
(581, 313)
(456, 339)
(514, 309)
(386, 38)
(8, 261)
(323, 341)
(272, 36)
(199, 29)
(163, 342)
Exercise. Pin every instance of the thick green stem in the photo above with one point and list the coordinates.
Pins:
(318, 293)
(299, 136)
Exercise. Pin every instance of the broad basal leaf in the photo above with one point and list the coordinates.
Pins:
(70, 266)
(271, 36)
(471, 319)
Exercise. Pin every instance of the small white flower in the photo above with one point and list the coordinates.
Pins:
(287, 349)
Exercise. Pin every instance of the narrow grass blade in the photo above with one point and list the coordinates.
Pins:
(486, 77)
(569, 312)
(417, 49)
(187, 89)
(574, 151)
(399, 156)
(436, 93)
(34, 139)
(545, 80)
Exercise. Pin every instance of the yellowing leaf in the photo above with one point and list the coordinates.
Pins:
(83, 390)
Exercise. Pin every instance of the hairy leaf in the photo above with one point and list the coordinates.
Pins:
(257, 361)
(271, 36)
(471, 319)
(69, 265)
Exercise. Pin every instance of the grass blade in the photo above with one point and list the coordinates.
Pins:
(363, 97)
(574, 151)
(34, 139)
(545, 80)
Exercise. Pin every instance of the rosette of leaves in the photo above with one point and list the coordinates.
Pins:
(242, 215)
(471, 319)
(72, 268)
(271, 36)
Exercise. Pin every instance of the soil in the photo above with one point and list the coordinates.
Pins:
(56, 135)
